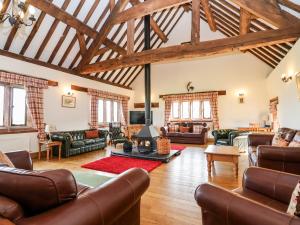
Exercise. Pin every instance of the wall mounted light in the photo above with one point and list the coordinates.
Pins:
(286, 78)
(241, 96)
(68, 91)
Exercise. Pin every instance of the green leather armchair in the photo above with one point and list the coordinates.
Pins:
(225, 136)
(116, 135)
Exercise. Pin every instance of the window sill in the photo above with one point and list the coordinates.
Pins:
(17, 131)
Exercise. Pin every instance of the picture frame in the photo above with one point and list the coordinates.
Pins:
(68, 101)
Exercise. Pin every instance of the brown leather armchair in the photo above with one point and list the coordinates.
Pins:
(262, 200)
(53, 197)
(263, 154)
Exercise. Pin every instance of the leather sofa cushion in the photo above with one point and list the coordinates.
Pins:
(265, 200)
(10, 209)
(37, 191)
(78, 144)
(174, 134)
(223, 141)
(191, 135)
(97, 140)
(89, 141)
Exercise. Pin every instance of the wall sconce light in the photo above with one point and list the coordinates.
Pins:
(286, 78)
(68, 91)
(241, 97)
(189, 87)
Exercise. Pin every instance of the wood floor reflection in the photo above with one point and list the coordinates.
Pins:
(170, 197)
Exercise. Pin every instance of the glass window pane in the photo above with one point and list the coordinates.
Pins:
(175, 110)
(206, 110)
(185, 110)
(19, 106)
(108, 111)
(1, 105)
(100, 111)
(115, 111)
(196, 110)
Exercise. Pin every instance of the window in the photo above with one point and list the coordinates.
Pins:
(191, 110)
(13, 107)
(115, 111)
(196, 110)
(100, 111)
(108, 111)
(185, 110)
(206, 110)
(175, 110)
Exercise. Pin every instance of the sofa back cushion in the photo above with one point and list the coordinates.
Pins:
(184, 129)
(90, 134)
(37, 191)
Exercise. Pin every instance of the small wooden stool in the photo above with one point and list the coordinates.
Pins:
(49, 148)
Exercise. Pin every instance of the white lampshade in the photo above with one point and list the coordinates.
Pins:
(47, 128)
(1, 5)
(31, 10)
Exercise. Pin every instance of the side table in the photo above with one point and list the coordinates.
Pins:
(49, 148)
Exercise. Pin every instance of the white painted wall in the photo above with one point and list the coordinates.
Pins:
(232, 73)
(289, 103)
(62, 118)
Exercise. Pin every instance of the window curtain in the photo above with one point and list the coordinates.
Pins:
(96, 95)
(168, 104)
(35, 97)
(212, 97)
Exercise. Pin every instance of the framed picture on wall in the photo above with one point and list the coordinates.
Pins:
(298, 84)
(68, 101)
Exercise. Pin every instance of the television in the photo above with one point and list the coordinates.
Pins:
(138, 117)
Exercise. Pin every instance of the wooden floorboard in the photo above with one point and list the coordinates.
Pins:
(170, 197)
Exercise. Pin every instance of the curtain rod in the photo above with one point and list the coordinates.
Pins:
(223, 92)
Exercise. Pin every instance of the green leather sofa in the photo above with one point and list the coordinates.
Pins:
(226, 136)
(75, 142)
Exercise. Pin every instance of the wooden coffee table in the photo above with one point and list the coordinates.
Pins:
(223, 154)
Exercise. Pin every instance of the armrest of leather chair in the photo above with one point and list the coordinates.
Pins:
(260, 139)
(20, 159)
(65, 139)
(219, 205)
(104, 205)
(274, 184)
(103, 133)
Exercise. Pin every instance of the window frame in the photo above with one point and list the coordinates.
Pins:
(201, 110)
(8, 126)
(112, 101)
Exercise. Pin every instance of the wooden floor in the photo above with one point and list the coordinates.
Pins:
(170, 197)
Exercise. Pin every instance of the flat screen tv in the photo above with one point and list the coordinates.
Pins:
(138, 117)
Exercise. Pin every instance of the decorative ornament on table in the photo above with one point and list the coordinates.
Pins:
(163, 143)
(189, 87)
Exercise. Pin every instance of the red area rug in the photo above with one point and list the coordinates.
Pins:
(117, 164)
(178, 147)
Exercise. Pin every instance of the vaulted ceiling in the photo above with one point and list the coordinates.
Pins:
(71, 35)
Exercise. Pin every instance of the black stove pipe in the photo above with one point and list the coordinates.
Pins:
(147, 68)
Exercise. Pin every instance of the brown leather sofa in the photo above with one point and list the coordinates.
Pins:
(189, 137)
(51, 197)
(262, 200)
(261, 153)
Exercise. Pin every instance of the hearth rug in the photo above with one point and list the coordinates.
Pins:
(178, 147)
(118, 164)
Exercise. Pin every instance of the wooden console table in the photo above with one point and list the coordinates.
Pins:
(223, 154)
(49, 148)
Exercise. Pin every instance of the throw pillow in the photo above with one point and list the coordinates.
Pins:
(89, 134)
(184, 129)
(197, 129)
(277, 137)
(281, 143)
(294, 144)
(172, 128)
(5, 160)
(294, 206)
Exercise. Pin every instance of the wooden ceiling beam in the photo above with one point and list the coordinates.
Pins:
(245, 21)
(208, 48)
(195, 31)
(67, 28)
(130, 36)
(4, 7)
(102, 34)
(146, 8)
(50, 32)
(81, 41)
(268, 11)
(153, 24)
(209, 15)
(112, 45)
(290, 4)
